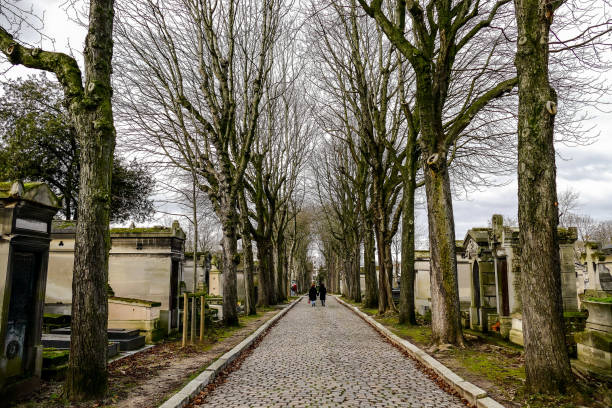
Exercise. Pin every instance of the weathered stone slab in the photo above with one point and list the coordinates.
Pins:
(594, 356)
(469, 391)
(488, 402)
(600, 316)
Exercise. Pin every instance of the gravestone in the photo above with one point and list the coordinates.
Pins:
(26, 211)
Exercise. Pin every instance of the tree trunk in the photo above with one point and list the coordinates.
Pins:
(547, 364)
(249, 265)
(369, 266)
(194, 308)
(406, 306)
(87, 376)
(279, 269)
(348, 277)
(356, 295)
(385, 296)
(249, 285)
(389, 265)
(266, 277)
(231, 259)
(445, 317)
(286, 274)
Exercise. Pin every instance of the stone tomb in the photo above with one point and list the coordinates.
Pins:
(26, 211)
(215, 287)
(495, 265)
(145, 268)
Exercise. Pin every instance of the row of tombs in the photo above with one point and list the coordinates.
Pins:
(488, 268)
(148, 270)
(492, 267)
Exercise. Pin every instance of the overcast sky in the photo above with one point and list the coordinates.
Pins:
(586, 169)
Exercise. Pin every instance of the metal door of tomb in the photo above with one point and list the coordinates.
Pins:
(20, 325)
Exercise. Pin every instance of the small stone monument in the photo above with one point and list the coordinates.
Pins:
(26, 211)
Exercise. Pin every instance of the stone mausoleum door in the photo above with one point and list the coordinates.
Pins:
(476, 291)
(174, 277)
(503, 277)
(20, 326)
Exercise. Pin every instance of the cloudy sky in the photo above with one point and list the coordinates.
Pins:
(585, 169)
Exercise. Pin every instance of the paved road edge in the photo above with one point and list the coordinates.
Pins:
(473, 394)
(193, 388)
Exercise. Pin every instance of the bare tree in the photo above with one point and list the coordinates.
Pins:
(90, 109)
(359, 92)
(437, 40)
(192, 80)
(547, 363)
(335, 171)
(568, 203)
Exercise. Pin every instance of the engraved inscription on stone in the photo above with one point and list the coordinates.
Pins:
(605, 279)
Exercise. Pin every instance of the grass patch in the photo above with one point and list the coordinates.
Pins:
(368, 311)
(416, 334)
(499, 367)
(592, 395)
(219, 332)
(607, 299)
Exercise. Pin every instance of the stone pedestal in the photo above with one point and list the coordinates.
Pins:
(135, 314)
(505, 325)
(594, 344)
(216, 282)
(516, 332)
(26, 211)
(595, 348)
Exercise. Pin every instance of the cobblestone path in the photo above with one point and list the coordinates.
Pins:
(327, 357)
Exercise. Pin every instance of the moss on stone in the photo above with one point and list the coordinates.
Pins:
(149, 303)
(606, 299)
(567, 234)
(591, 244)
(53, 357)
(64, 224)
(571, 315)
(595, 339)
(139, 230)
(27, 186)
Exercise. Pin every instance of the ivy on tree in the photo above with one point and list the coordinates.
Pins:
(39, 143)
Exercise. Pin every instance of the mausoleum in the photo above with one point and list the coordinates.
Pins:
(495, 268)
(145, 264)
(26, 211)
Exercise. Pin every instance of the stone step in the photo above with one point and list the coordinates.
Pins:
(113, 334)
(130, 344)
(128, 340)
(62, 341)
(117, 334)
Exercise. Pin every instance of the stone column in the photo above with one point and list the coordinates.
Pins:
(567, 238)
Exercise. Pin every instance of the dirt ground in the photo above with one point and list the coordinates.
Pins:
(148, 378)
(502, 384)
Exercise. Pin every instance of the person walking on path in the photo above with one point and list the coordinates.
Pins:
(312, 294)
(322, 293)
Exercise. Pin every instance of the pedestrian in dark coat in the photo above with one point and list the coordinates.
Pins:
(322, 293)
(312, 294)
